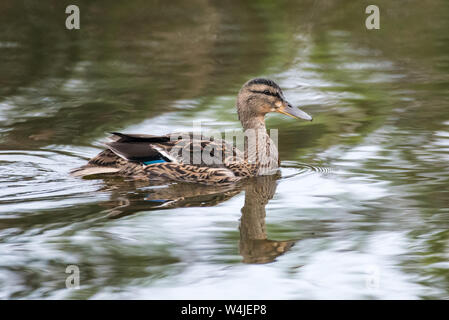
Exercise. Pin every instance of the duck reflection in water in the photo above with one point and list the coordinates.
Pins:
(255, 247)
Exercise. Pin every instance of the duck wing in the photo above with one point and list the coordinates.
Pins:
(177, 147)
(142, 148)
(126, 137)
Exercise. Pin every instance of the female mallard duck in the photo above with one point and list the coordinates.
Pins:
(180, 156)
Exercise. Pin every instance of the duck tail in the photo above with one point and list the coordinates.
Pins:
(105, 162)
(92, 170)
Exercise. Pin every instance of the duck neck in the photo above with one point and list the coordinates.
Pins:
(254, 123)
(259, 147)
(250, 119)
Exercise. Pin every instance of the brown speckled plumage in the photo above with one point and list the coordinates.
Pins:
(134, 155)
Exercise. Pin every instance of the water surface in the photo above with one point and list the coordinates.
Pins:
(359, 210)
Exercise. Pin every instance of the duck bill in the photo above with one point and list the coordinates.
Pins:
(293, 112)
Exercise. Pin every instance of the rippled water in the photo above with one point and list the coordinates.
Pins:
(359, 210)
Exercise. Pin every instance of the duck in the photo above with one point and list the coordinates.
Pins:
(186, 156)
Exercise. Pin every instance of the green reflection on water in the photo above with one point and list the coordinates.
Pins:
(373, 165)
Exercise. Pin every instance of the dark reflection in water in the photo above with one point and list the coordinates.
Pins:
(129, 200)
(254, 245)
(365, 186)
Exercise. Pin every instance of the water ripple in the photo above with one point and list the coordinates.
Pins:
(39, 179)
(291, 169)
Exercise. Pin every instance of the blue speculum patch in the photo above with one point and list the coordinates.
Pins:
(154, 161)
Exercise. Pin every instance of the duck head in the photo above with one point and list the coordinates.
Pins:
(260, 96)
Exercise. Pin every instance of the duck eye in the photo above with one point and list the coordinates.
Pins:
(267, 92)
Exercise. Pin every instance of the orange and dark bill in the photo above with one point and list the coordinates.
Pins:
(293, 112)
